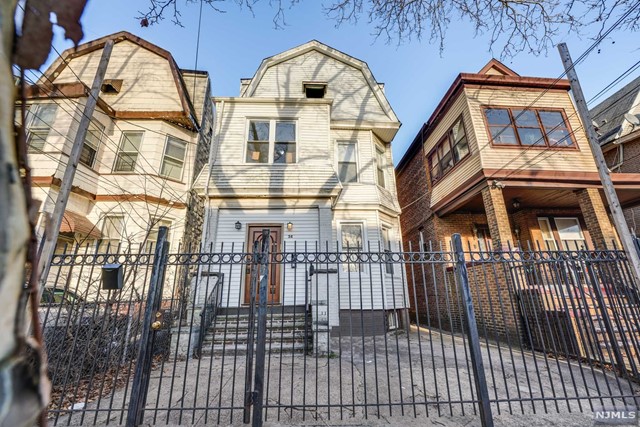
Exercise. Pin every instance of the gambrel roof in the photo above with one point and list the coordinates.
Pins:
(314, 45)
(48, 86)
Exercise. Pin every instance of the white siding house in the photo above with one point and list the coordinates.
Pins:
(143, 149)
(305, 151)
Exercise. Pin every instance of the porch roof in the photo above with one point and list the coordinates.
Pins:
(536, 189)
(73, 222)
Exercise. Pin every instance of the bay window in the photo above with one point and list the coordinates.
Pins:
(41, 118)
(128, 151)
(535, 127)
(91, 143)
(173, 160)
(449, 151)
(347, 161)
(351, 241)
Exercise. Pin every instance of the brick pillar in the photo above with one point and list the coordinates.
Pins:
(596, 217)
(497, 218)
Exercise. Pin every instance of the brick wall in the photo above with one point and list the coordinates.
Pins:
(596, 217)
(414, 196)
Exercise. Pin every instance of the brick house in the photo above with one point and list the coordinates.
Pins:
(620, 139)
(503, 161)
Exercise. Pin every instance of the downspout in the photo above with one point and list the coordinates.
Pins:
(212, 158)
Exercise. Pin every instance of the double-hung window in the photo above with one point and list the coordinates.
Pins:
(42, 117)
(173, 160)
(91, 144)
(381, 165)
(528, 128)
(128, 151)
(351, 240)
(271, 141)
(347, 161)
(152, 237)
(450, 150)
(111, 232)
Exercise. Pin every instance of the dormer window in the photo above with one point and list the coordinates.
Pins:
(314, 90)
(111, 86)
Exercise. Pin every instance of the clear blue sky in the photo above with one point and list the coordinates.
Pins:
(415, 73)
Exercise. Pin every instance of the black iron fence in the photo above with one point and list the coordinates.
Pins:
(302, 333)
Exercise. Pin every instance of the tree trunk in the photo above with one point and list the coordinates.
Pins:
(21, 398)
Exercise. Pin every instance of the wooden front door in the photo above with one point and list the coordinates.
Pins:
(273, 285)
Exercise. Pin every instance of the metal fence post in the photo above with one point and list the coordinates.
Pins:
(472, 333)
(248, 380)
(261, 335)
(141, 377)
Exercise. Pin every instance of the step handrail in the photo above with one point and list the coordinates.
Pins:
(209, 311)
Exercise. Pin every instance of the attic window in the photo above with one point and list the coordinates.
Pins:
(315, 90)
(111, 86)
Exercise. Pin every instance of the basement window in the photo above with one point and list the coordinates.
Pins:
(111, 86)
(315, 90)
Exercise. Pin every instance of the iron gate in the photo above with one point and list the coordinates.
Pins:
(356, 334)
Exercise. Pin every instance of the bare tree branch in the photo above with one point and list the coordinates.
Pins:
(513, 26)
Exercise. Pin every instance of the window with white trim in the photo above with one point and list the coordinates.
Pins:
(112, 226)
(381, 165)
(271, 141)
(91, 143)
(152, 238)
(128, 151)
(173, 160)
(41, 118)
(347, 161)
(351, 242)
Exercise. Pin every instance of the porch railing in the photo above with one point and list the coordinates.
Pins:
(209, 311)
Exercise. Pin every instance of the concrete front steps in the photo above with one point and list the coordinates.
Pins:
(288, 331)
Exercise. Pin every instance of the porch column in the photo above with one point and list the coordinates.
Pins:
(497, 218)
(596, 217)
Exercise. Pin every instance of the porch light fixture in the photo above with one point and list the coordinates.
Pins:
(238, 225)
(516, 230)
(516, 203)
(289, 226)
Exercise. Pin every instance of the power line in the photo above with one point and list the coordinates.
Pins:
(582, 57)
(117, 145)
(550, 153)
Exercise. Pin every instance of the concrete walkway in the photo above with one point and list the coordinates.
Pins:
(397, 379)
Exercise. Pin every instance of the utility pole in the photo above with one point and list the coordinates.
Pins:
(609, 191)
(51, 236)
